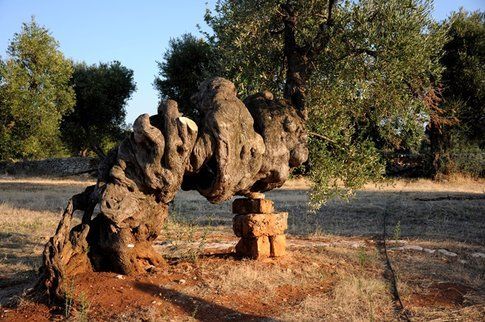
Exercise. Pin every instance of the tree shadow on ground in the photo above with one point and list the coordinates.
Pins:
(438, 215)
(15, 240)
(18, 264)
(198, 308)
(442, 215)
(37, 196)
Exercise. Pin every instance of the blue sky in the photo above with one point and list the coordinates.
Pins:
(134, 32)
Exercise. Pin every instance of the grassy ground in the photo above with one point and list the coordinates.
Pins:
(335, 269)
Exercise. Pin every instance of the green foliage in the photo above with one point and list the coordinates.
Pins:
(252, 57)
(186, 63)
(463, 95)
(455, 132)
(363, 257)
(464, 75)
(97, 121)
(365, 94)
(380, 66)
(34, 95)
(84, 306)
(69, 298)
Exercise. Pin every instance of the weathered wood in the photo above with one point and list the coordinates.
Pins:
(236, 149)
(66, 253)
(229, 152)
(285, 137)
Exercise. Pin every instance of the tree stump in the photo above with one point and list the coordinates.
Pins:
(262, 230)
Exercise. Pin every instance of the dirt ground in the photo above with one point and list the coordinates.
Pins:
(335, 269)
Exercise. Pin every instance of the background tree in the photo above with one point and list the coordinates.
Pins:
(34, 94)
(363, 69)
(187, 62)
(464, 74)
(463, 95)
(97, 121)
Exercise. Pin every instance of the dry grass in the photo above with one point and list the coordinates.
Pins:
(250, 276)
(353, 299)
(29, 212)
(334, 283)
(421, 281)
(459, 219)
(23, 234)
(358, 292)
(452, 184)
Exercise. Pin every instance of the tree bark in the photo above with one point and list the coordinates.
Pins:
(296, 60)
(299, 58)
(240, 149)
(135, 184)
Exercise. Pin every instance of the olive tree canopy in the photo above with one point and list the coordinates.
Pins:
(362, 70)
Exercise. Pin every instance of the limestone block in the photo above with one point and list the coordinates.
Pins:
(255, 195)
(255, 248)
(277, 245)
(244, 206)
(256, 225)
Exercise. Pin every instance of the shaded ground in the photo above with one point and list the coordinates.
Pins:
(422, 210)
(334, 270)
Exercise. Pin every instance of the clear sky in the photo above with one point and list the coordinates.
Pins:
(136, 33)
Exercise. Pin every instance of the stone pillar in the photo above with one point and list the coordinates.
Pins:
(262, 230)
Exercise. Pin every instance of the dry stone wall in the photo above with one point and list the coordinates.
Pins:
(57, 167)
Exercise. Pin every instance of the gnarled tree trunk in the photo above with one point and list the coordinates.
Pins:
(237, 149)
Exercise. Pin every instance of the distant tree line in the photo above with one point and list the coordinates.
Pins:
(50, 106)
(378, 79)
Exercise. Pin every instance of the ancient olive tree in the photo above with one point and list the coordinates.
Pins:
(97, 121)
(358, 69)
(34, 94)
(235, 148)
(362, 69)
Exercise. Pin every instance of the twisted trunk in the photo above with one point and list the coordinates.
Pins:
(239, 149)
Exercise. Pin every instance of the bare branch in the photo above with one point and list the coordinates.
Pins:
(358, 51)
(326, 138)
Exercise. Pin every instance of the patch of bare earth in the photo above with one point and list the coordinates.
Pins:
(445, 286)
(334, 270)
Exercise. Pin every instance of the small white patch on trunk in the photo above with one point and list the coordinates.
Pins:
(186, 121)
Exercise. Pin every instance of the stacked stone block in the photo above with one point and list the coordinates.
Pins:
(262, 230)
